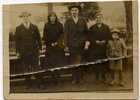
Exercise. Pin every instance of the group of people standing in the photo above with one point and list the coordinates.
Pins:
(71, 38)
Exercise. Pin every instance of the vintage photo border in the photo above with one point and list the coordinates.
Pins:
(69, 95)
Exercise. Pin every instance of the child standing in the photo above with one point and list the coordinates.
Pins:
(116, 48)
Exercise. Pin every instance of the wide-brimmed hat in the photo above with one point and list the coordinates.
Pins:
(98, 15)
(74, 5)
(115, 30)
(25, 14)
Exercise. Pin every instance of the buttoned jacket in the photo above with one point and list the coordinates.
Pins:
(28, 40)
(75, 34)
(117, 48)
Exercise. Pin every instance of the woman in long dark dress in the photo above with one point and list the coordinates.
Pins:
(53, 36)
(98, 37)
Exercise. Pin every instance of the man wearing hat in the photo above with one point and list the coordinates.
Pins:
(75, 38)
(28, 47)
(98, 36)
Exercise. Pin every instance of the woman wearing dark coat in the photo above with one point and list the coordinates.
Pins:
(98, 36)
(53, 36)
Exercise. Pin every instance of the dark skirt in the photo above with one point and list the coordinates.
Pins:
(97, 52)
(55, 58)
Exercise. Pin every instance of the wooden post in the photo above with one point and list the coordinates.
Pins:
(50, 7)
(128, 10)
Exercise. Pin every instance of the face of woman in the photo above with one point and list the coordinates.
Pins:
(99, 19)
(52, 18)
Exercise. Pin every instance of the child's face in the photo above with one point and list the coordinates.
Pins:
(115, 36)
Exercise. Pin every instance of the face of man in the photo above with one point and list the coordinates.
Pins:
(74, 11)
(99, 19)
(25, 18)
(52, 18)
(115, 36)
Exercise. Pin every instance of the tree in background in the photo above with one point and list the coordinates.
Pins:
(129, 27)
(128, 10)
(89, 9)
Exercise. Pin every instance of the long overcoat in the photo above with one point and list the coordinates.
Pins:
(98, 52)
(55, 56)
(28, 44)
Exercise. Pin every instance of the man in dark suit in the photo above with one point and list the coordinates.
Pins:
(75, 38)
(28, 47)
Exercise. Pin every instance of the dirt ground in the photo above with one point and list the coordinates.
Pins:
(89, 85)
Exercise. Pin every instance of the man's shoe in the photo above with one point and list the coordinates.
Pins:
(121, 83)
(59, 83)
(53, 83)
(42, 87)
(112, 82)
(81, 81)
(27, 86)
(74, 81)
(104, 80)
(97, 81)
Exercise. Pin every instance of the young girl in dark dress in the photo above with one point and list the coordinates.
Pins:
(53, 36)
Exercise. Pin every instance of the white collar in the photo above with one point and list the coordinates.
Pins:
(28, 24)
(75, 19)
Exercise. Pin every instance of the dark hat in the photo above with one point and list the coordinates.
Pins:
(74, 5)
(115, 30)
(25, 14)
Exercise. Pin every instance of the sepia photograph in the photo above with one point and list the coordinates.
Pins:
(71, 47)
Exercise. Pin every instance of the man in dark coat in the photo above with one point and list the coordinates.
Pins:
(28, 47)
(75, 38)
(98, 36)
